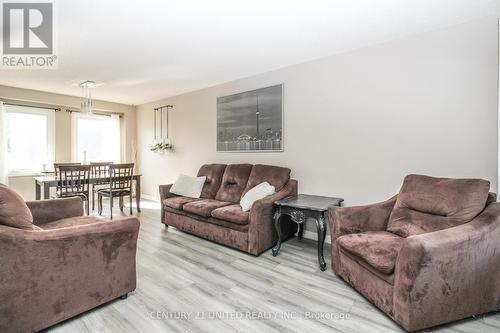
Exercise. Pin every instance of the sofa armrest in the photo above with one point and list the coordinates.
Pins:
(261, 229)
(165, 192)
(356, 219)
(64, 272)
(449, 274)
(97, 229)
(44, 211)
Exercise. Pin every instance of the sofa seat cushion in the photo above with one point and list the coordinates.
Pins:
(389, 278)
(204, 207)
(232, 213)
(379, 249)
(71, 222)
(203, 220)
(178, 202)
(427, 204)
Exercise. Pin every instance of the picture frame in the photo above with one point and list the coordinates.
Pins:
(251, 121)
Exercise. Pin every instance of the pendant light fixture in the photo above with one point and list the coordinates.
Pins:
(161, 140)
(86, 104)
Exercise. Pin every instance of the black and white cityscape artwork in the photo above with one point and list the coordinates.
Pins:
(251, 121)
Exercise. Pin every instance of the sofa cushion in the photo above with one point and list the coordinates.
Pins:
(13, 210)
(201, 220)
(425, 204)
(274, 175)
(178, 202)
(234, 182)
(379, 249)
(214, 174)
(256, 193)
(188, 186)
(347, 259)
(71, 222)
(204, 207)
(232, 213)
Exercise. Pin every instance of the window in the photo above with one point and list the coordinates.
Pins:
(30, 139)
(95, 138)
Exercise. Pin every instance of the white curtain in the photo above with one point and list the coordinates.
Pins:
(3, 146)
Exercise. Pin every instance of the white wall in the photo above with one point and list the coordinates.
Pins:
(357, 123)
(25, 185)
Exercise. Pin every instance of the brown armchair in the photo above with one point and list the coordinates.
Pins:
(67, 264)
(425, 278)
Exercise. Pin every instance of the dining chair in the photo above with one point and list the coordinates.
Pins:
(99, 172)
(73, 181)
(120, 185)
(57, 165)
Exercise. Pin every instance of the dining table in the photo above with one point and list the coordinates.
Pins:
(45, 182)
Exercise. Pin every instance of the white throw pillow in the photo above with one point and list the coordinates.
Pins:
(258, 192)
(188, 186)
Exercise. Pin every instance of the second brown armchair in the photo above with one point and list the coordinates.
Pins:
(428, 256)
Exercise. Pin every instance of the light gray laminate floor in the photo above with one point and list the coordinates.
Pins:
(194, 279)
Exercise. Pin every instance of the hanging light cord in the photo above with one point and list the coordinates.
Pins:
(154, 122)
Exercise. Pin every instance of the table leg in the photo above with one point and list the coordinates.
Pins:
(38, 191)
(46, 191)
(301, 230)
(276, 248)
(138, 193)
(320, 222)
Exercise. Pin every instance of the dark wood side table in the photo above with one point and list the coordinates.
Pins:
(300, 208)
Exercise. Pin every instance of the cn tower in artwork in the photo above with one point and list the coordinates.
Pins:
(257, 113)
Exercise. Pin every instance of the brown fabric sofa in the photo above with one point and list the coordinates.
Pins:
(428, 256)
(65, 265)
(217, 215)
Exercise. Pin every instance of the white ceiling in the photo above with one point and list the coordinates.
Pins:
(146, 50)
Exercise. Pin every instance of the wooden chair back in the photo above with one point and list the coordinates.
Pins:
(121, 176)
(100, 170)
(73, 180)
(57, 165)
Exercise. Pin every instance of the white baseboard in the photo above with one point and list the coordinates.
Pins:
(150, 197)
(314, 236)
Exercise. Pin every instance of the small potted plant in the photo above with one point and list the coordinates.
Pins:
(161, 146)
